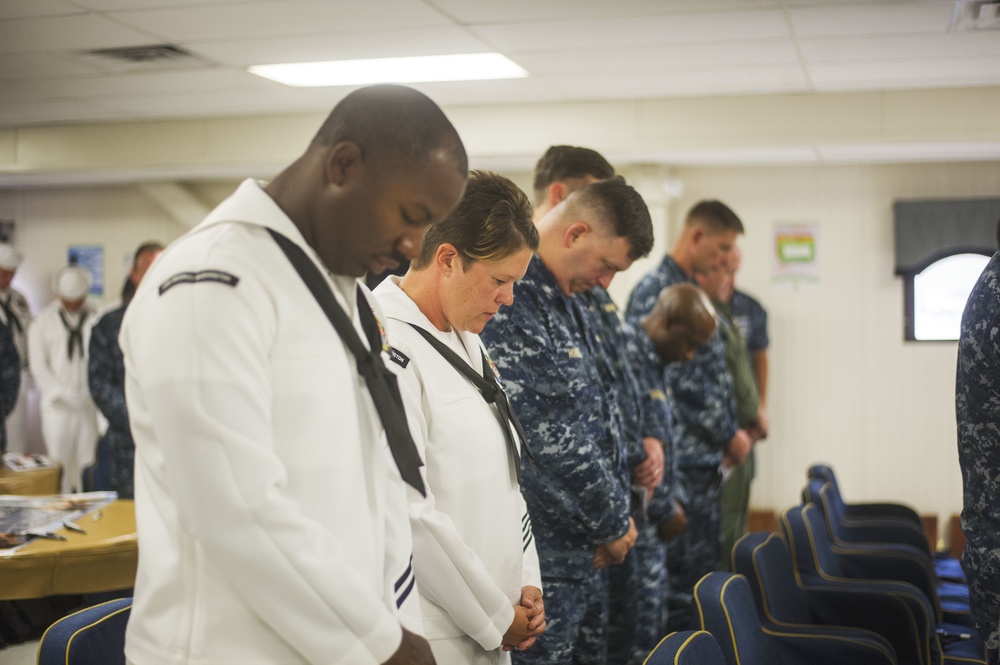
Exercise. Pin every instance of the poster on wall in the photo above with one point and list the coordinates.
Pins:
(795, 253)
(90, 257)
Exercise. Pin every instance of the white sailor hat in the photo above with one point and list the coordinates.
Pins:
(72, 282)
(10, 256)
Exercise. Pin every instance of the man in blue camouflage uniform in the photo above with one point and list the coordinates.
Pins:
(751, 318)
(560, 171)
(547, 352)
(706, 429)
(637, 587)
(977, 410)
(114, 468)
(749, 333)
(10, 380)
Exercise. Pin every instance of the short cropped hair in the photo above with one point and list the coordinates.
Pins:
(616, 208)
(392, 121)
(566, 162)
(714, 215)
(490, 223)
(128, 288)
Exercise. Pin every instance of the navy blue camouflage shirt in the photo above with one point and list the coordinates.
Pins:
(702, 389)
(977, 405)
(547, 354)
(106, 380)
(657, 411)
(620, 384)
(751, 318)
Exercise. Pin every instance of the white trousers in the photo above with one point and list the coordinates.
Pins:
(70, 437)
(466, 651)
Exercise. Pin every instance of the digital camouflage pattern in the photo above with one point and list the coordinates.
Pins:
(106, 380)
(705, 410)
(637, 588)
(977, 410)
(10, 380)
(704, 423)
(548, 355)
(751, 318)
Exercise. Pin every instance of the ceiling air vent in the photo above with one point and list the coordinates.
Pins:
(974, 15)
(150, 56)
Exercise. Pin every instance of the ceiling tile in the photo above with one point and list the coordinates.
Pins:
(218, 103)
(39, 65)
(478, 93)
(900, 47)
(871, 19)
(29, 8)
(658, 58)
(292, 17)
(52, 111)
(111, 5)
(489, 11)
(723, 81)
(909, 152)
(186, 82)
(633, 32)
(945, 72)
(427, 41)
(65, 33)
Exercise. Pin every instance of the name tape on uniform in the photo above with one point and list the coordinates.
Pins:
(189, 277)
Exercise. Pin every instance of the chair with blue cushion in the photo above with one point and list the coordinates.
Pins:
(786, 603)
(92, 636)
(898, 522)
(951, 598)
(726, 609)
(688, 647)
(820, 562)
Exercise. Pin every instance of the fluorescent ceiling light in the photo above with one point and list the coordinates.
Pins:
(418, 69)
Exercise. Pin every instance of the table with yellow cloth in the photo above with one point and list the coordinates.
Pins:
(103, 559)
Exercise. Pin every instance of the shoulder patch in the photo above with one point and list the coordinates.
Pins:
(189, 277)
(610, 307)
(398, 357)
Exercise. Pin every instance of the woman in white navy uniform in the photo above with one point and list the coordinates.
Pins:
(473, 551)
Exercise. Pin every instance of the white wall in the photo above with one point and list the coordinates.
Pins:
(844, 386)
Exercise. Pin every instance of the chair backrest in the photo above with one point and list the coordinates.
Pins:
(764, 559)
(92, 636)
(809, 542)
(688, 647)
(823, 472)
(827, 498)
(726, 610)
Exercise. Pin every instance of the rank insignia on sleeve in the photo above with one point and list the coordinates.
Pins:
(398, 357)
(190, 277)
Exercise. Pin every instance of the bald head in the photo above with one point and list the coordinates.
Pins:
(394, 122)
(682, 319)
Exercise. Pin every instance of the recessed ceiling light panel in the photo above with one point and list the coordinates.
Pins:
(418, 69)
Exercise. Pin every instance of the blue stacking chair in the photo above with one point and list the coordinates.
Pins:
(951, 598)
(688, 647)
(93, 636)
(726, 610)
(785, 602)
(820, 562)
(898, 521)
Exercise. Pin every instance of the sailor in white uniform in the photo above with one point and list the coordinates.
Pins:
(16, 314)
(57, 345)
(271, 517)
(474, 552)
